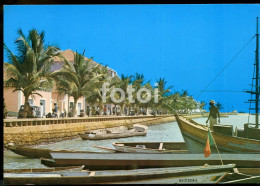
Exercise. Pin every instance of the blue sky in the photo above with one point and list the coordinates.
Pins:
(188, 45)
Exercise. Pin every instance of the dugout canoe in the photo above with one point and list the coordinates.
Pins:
(32, 152)
(193, 174)
(151, 147)
(195, 136)
(109, 161)
(114, 133)
(54, 169)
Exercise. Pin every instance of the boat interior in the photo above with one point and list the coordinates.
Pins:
(156, 145)
(246, 132)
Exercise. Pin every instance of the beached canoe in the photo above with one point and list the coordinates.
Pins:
(193, 174)
(55, 169)
(109, 161)
(32, 152)
(113, 133)
(151, 147)
(195, 137)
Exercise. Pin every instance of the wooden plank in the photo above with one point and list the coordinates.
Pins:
(161, 146)
(105, 148)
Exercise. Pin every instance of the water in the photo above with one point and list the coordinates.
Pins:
(168, 132)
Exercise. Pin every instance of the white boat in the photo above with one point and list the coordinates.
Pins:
(151, 147)
(113, 133)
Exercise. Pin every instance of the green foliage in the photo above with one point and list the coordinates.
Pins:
(29, 70)
(76, 78)
(219, 105)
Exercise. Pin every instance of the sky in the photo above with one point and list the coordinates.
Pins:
(191, 46)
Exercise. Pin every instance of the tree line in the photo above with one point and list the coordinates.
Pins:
(29, 71)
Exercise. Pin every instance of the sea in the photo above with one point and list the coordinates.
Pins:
(168, 132)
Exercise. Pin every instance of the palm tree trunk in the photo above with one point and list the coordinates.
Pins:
(100, 108)
(74, 106)
(122, 109)
(26, 106)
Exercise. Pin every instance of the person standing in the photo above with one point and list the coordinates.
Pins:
(41, 110)
(88, 111)
(213, 114)
(105, 110)
(125, 109)
(55, 110)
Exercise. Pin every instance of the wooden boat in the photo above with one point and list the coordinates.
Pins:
(151, 147)
(195, 136)
(49, 162)
(110, 161)
(32, 152)
(195, 174)
(55, 169)
(113, 133)
(245, 140)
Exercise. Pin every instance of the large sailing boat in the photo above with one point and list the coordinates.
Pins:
(246, 140)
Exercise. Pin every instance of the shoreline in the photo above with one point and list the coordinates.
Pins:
(53, 133)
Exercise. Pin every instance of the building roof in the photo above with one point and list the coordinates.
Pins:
(69, 55)
(58, 63)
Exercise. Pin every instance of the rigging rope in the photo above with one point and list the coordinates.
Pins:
(226, 66)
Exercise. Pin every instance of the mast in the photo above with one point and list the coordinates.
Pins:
(257, 75)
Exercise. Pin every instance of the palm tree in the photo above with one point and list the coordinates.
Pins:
(29, 71)
(219, 105)
(122, 83)
(202, 105)
(138, 83)
(95, 95)
(173, 103)
(75, 79)
(163, 94)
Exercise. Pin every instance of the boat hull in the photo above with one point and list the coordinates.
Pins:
(110, 136)
(31, 152)
(195, 136)
(71, 168)
(106, 161)
(151, 147)
(198, 174)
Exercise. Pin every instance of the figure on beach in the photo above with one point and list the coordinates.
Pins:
(213, 114)
(88, 111)
(41, 110)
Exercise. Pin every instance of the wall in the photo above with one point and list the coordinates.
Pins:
(42, 134)
(45, 96)
(54, 132)
(11, 99)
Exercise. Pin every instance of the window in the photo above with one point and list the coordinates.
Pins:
(30, 102)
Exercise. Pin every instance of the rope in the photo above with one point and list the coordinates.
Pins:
(216, 148)
(226, 66)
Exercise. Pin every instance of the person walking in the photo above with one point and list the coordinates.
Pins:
(41, 110)
(213, 114)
